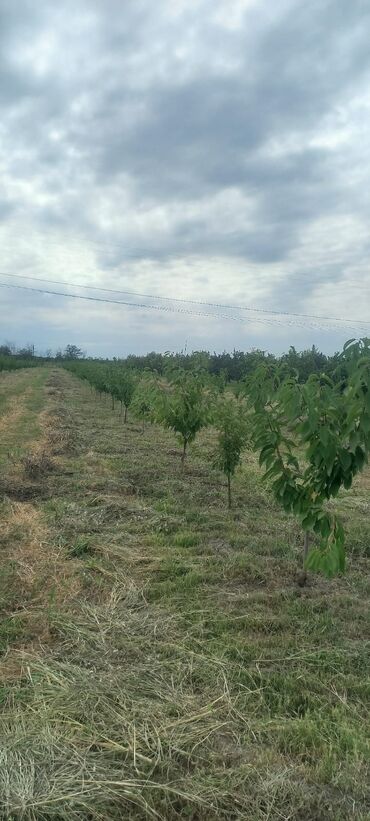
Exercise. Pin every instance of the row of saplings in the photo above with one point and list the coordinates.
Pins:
(312, 438)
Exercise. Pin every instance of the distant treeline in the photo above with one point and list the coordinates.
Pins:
(14, 362)
(233, 367)
(228, 367)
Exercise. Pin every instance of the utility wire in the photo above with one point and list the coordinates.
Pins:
(143, 305)
(189, 301)
(272, 322)
(168, 309)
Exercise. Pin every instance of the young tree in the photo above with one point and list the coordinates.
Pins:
(313, 439)
(183, 405)
(230, 419)
(112, 383)
(124, 388)
(144, 399)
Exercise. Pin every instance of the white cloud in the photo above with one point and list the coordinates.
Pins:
(215, 151)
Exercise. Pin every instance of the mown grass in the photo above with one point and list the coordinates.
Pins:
(159, 659)
(21, 400)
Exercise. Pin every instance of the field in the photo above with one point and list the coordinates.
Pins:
(159, 659)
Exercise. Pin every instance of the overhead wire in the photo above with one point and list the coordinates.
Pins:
(204, 303)
(165, 308)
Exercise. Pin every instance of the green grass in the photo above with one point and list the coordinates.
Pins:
(172, 668)
(22, 398)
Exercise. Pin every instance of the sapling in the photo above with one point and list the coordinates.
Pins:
(125, 388)
(183, 405)
(144, 399)
(231, 422)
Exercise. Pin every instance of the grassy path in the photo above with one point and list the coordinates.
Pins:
(159, 660)
(22, 397)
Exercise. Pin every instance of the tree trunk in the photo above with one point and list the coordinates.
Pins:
(302, 576)
(125, 416)
(229, 491)
(121, 409)
(112, 402)
(183, 455)
(143, 424)
(306, 547)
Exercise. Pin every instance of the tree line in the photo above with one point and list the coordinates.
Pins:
(227, 367)
(232, 367)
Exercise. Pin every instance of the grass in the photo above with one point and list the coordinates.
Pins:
(159, 659)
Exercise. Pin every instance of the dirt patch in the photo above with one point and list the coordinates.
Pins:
(15, 488)
(220, 547)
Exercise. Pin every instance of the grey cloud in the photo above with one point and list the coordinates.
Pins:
(117, 110)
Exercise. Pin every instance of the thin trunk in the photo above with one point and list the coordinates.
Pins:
(302, 576)
(143, 424)
(229, 490)
(306, 547)
(125, 416)
(112, 402)
(121, 409)
(183, 455)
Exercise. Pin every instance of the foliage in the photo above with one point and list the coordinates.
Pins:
(143, 403)
(238, 365)
(230, 419)
(14, 363)
(73, 352)
(313, 439)
(112, 379)
(303, 363)
(123, 384)
(183, 404)
(222, 368)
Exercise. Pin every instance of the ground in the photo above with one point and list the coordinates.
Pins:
(159, 659)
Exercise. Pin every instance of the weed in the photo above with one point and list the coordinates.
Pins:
(37, 464)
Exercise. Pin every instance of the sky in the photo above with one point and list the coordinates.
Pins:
(208, 150)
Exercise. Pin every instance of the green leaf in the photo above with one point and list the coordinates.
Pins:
(345, 459)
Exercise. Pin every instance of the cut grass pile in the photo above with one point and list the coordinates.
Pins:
(159, 660)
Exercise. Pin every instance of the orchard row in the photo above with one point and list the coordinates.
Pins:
(312, 438)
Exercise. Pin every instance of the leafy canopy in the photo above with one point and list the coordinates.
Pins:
(143, 403)
(183, 404)
(231, 421)
(313, 439)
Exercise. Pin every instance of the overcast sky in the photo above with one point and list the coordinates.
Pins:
(211, 150)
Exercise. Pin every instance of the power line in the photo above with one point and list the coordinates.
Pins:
(142, 305)
(272, 322)
(168, 309)
(189, 301)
